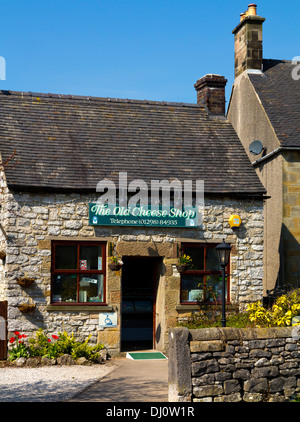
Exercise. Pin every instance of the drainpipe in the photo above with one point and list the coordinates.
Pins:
(275, 152)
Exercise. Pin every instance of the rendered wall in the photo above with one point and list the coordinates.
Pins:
(251, 122)
(291, 217)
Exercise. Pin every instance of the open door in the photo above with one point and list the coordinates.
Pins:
(138, 311)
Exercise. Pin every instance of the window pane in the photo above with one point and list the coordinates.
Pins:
(192, 288)
(64, 288)
(91, 257)
(214, 288)
(198, 288)
(91, 288)
(66, 257)
(212, 260)
(197, 255)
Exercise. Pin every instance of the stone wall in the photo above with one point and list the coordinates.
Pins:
(2, 232)
(234, 365)
(32, 220)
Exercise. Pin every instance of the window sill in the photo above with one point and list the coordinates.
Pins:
(196, 306)
(188, 307)
(80, 308)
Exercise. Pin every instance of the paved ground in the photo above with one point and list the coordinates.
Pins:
(130, 381)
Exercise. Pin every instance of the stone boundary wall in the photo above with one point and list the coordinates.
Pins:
(234, 365)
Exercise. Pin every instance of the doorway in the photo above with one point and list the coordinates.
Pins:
(140, 277)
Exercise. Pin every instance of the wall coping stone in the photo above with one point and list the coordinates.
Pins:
(230, 333)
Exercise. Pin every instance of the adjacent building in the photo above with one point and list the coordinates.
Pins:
(264, 110)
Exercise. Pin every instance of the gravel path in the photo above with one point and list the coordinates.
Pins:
(48, 383)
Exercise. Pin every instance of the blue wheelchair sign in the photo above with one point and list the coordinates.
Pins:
(108, 319)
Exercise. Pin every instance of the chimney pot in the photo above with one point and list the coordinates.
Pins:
(252, 9)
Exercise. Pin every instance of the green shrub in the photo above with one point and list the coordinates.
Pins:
(53, 346)
(65, 343)
(86, 351)
(210, 316)
(284, 309)
(41, 345)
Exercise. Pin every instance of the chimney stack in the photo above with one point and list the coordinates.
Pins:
(211, 93)
(248, 50)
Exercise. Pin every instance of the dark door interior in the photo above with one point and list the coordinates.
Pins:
(139, 276)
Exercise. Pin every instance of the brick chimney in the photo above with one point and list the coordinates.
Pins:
(211, 93)
(248, 49)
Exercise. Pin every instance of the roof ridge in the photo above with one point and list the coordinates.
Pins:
(100, 99)
(279, 60)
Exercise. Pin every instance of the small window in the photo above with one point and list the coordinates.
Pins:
(203, 282)
(78, 273)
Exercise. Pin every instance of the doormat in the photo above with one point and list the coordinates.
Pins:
(146, 356)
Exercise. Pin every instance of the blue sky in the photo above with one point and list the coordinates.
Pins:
(139, 49)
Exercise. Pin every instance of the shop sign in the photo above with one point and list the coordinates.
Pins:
(142, 216)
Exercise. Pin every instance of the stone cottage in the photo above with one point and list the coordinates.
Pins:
(264, 109)
(54, 270)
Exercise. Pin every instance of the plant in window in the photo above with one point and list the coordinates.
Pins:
(184, 263)
(115, 262)
(210, 290)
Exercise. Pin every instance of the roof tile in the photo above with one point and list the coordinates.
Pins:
(69, 142)
(279, 93)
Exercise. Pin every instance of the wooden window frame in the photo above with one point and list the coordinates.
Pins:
(204, 271)
(77, 271)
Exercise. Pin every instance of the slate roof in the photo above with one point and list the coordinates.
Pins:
(279, 93)
(72, 142)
